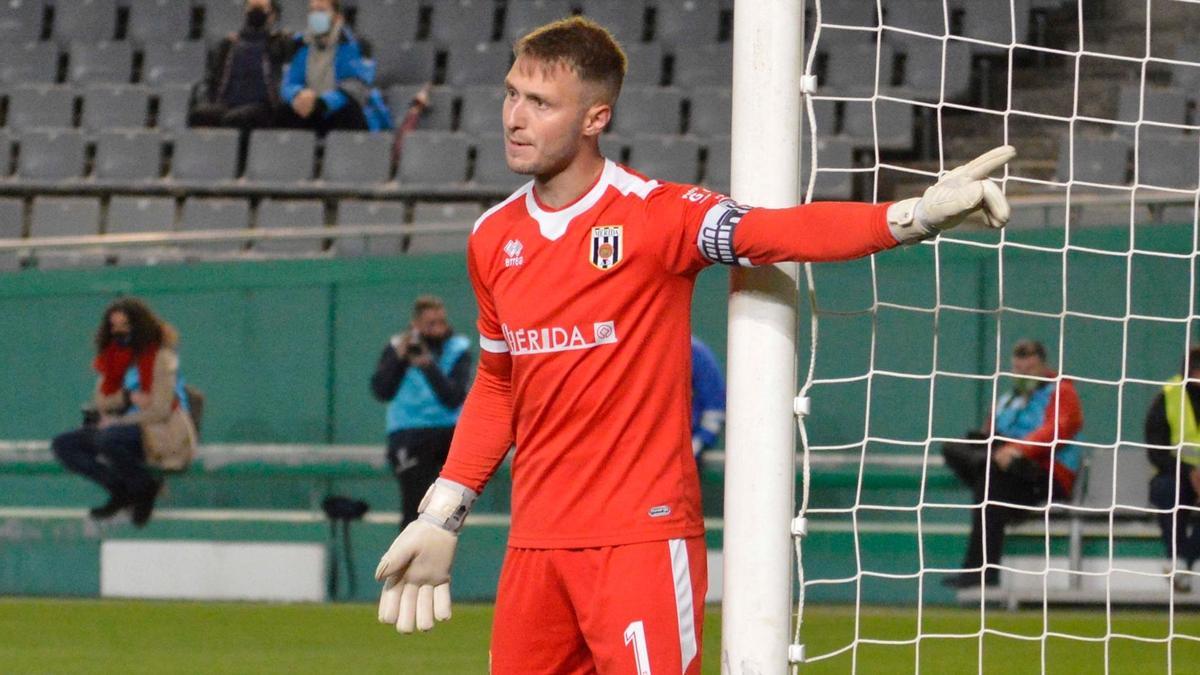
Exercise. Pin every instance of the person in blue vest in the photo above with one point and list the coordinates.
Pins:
(1172, 435)
(423, 376)
(708, 398)
(330, 82)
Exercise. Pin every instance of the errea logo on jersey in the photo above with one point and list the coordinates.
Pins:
(513, 250)
(522, 341)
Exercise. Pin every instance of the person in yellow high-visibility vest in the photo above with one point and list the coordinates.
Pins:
(1173, 437)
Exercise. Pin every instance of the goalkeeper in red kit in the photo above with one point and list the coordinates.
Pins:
(583, 277)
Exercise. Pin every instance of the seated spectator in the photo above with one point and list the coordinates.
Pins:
(244, 73)
(141, 419)
(1028, 461)
(1173, 432)
(708, 398)
(329, 82)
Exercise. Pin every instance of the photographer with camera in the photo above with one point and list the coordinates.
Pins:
(422, 375)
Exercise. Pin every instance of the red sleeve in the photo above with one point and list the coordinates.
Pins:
(488, 322)
(1064, 419)
(485, 429)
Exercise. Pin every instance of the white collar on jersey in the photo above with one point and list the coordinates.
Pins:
(553, 224)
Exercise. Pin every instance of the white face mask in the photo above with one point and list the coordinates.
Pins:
(320, 22)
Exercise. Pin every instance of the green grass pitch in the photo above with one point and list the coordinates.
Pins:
(95, 636)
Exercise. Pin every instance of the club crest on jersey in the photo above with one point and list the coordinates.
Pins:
(607, 247)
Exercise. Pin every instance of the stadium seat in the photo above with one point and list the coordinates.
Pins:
(478, 63)
(1168, 160)
(20, 21)
(222, 17)
(626, 20)
(6, 155)
(388, 21)
(826, 113)
(704, 66)
(280, 156)
(293, 15)
(922, 70)
(173, 103)
(442, 214)
(854, 69)
(612, 147)
(64, 216)
(51, 155)
(992, 20)
(832, 153)
(159, 21)
(12, 226)
(404, 62)
(1168, 105)
(215, 213)
(648, 110)
(86, 21)
(687, 23)
(891, 125)
(455, 23)
(1096, 159)
(716, 164)
(173, 63)
(923, 16)
(433, 158)
(438, 114)
(128, 156)
(357, 158)
(491, 169)
(522, 16)
(352, 212)
(205, 156)
(100, 62)
(645, 64)
(481, 110)
(666, 158)
(848, 13)
(115, 107)
(276, 214)
(34, 106)
(131, 215)
(28, 63)
(710, 111)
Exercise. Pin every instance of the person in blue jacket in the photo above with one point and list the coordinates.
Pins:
(329, 84)
(708, 398)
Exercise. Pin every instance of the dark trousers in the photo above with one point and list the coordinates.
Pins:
(1023, 483)
(1181, 528)
(246, 117)
(349, 117)
(113, 457)
(416, 457)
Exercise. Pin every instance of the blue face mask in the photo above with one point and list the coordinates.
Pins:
(320, 22)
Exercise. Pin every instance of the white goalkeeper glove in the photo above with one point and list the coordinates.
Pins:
(948, 202)
(415, 571)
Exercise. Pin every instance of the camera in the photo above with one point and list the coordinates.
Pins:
(416, 346)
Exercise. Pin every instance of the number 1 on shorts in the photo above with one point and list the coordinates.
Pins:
(636, 633)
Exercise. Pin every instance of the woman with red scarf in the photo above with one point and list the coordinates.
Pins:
(143, 420)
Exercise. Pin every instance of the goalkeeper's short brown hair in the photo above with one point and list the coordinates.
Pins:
(582, 45)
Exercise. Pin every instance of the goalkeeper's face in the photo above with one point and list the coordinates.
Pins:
(550, 117)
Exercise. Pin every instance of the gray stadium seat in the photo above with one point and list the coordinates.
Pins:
(205, 156)
(716, 166)
(711, 112)
(992, 20)
(687, 23)
(115, 107)
(352, 212)
(294, 15)
(832, 153)
(404, 62)
(491, 169)
(215, 213)
(922, 70)
(87, 21)
(100, 62)
(35, 106)
(1097, 159)
(666, 158)
(6, 155)
(12, 226)
(159, 21)
(20, 21)
(704, 66)
(173, 105)
(478, 63)
(280, 156)
(645, 64)
(64, 216)
(130, 215)
(275, 214)
(28, 62)
(481, 110)
(848, 13)
(891, 125)
(128, 156)
(1168, 105)
(442, 214)
(1168, 160)
(522, 16)
(433, 158)
(438, 114)
(222, 17)
(612, 147)
(462, 22)
(173, 63)
(625, 19)
(648, 110)
(388, 20)
(852, 69)
(357, 157)
(51, 155)
(827, 119)
(925, 16)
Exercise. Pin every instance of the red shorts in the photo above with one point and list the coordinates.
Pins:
(634, 608)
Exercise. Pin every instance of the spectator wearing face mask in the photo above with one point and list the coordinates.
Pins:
(244, 73)
(329, 84)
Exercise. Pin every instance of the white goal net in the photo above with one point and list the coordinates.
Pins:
(911, 349)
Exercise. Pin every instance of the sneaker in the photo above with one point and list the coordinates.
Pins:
(143, 504)
(1180, 577)
(971, 580)
(117, 500)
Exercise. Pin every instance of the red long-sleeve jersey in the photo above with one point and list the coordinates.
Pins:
(584, 327)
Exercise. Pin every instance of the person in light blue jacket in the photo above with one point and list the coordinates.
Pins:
(708, 398)
(330, 81)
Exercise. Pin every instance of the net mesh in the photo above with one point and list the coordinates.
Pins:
(910, 350)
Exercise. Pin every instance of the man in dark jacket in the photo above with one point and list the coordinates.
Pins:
(241, 82)
(422, 376)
